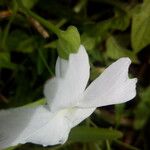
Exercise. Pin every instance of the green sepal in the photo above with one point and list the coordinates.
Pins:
(68, 42)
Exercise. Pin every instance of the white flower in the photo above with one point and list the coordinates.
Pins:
(68, 101)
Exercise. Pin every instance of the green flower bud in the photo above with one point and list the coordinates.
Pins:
(68, 42)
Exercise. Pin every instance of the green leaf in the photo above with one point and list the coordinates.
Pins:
(36, 103)
(142, 112)
(4, 57)
(68, 42)
(5, 61)
(12, 147)
(141, 28)
(21, 42)
(88, 41)
(121, 20)
(115, 50)
(90, 134)
(26, 46)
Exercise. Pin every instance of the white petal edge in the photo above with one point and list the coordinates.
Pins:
(14, 123)
(56, 131)
(70, 81)
(60, 126)
(77, 115)
(36, 125)
(112, 87)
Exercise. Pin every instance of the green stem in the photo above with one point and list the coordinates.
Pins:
(45, 63)
(44, 22)
(108, 145)
(6, 30)
(125, 145)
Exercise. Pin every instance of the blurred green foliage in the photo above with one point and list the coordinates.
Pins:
(109, 29)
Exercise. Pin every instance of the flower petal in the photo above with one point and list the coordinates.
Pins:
(70, 81)
(61, 67)
(56, 131)
(36, 125)
(18, 123)
(112, 87)
(76, 115)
